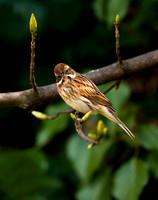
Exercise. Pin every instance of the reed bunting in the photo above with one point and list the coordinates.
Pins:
(83, 95)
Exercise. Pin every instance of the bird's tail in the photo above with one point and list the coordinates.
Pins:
(111, 115)
(124, 127)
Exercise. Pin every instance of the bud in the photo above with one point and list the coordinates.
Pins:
(90, 146)
(105, 130)
(117, 20)
(86, 116)
(39, 115)
(92, 136)
(101, 129)
(73, 116)
(33, 24)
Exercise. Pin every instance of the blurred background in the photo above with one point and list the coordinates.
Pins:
(45, 160)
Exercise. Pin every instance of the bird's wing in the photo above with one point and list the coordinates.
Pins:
(90, 91)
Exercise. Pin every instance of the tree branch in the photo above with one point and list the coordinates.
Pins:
(29, 98)
(78, 126)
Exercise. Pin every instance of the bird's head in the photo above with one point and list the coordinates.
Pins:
(63, 72)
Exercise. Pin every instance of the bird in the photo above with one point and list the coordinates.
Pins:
(81, 94)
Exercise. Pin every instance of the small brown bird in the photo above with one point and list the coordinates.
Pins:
(83, 95)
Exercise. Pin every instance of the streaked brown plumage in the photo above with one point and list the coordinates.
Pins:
(83, 95)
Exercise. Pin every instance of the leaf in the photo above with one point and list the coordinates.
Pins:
(76, 152)
(130, 179)
(97, 190)
(99, 7)
(117, 96)
(149, 137)
(50, 128)
(97, 155)
(117, 7)
(107, 10)
(86, 162)
(153, 163)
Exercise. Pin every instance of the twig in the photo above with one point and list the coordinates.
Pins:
(78, 126)
(117, 36)
(32, 64)
(59, 113)
(33, 29)
(116, 84)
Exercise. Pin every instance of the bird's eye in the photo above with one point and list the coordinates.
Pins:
(67, 71)
(59, 77)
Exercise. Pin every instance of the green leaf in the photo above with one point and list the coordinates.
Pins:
(117, 7)
(117, 96)
(130, 179)
(97, 190)
(153, 163)
(77, 152)
(97, 155)
(50, 128)
(149, 137)
(99, 7)
(107, 10)
(86, 162)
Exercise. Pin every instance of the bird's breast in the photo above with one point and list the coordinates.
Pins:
(73, 99)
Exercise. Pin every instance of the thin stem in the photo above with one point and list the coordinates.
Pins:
(32, 64)
(116, 84)
(59, 113)
(117, 36)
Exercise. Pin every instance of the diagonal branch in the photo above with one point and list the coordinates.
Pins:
(28, 98)
(78, 126)
(116, 84)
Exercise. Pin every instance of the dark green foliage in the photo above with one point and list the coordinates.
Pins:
(45, 160)
(23, 175)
